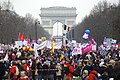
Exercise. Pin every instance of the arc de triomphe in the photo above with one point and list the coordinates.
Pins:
(49, 16)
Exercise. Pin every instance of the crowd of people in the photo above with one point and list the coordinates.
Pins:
(22, 65)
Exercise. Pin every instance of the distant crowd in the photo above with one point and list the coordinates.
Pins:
(19, 64)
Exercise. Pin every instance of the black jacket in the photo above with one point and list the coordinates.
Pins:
(45, 69)
(2, 69)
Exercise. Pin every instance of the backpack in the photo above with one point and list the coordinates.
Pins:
(66, 69)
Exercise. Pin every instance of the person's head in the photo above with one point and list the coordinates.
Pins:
(102, 60)
(44, 63)
(67, 61)
(18, 62)
(22, 74)
(90, 62)
(80, 64)
(85, 72)
(14, 63)
(23, 61)
(112, 62)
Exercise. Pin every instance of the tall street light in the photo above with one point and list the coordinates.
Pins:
(36, 22)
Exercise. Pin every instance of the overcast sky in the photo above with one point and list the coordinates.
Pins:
(33, 6)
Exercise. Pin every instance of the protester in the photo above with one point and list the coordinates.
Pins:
(39, 67)
(23, 76)
(52, 71)
(116, 71)
(93, 75)
(69, 69)
(33, 68)
(58, 72)
(2, 69)
(85, 75)
(63, 65)
(14, 71)
(45, 72)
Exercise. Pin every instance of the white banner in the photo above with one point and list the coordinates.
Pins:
(57, 45)
(47, 44)
(39, 46)
(18, 44)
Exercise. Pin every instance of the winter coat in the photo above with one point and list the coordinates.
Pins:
(92, 75)
(71, 70)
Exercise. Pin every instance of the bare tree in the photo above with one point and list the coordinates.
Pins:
(7, 5)
(11, 24)
(103, 21)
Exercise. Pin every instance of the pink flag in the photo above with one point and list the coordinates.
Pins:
(88, 48)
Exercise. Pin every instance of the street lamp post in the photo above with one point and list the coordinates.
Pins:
(36, 31)
(36, 22)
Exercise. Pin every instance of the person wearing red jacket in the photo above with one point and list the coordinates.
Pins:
(14, 72)
(71, 70)
(92, 75)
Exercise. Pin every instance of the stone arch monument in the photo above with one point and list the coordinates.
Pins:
(49, 16)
